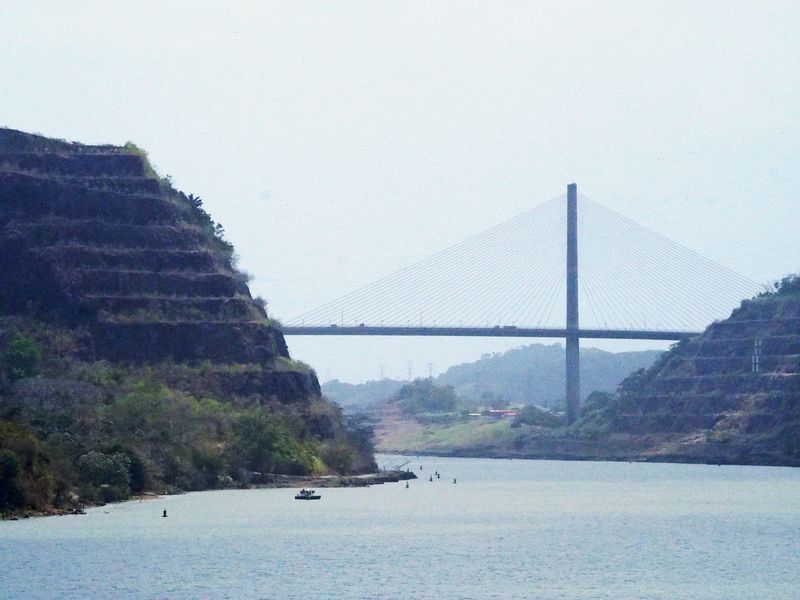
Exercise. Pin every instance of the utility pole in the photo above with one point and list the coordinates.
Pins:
(756, 359)
(573, 340)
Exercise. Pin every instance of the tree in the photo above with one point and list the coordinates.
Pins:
(105, 469)
(10, 495)
(22, 358)
(422, 396)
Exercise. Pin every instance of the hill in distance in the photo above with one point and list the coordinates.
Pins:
(532, 374)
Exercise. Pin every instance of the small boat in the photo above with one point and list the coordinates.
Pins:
(305, 494)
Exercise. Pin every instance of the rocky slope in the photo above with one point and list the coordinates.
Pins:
(113, 279)
(90, 236)
(733, 392)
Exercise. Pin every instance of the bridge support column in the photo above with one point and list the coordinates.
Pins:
(573, 341)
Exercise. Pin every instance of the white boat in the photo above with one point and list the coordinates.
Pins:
(305, 494)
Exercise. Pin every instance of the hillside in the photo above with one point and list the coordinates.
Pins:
(732, 392)
(730, 396)
(535, 374)
(530, 374)
(133, 355)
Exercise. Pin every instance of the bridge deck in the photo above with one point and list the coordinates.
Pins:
(498, 331)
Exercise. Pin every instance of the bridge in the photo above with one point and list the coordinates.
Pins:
(521, 279)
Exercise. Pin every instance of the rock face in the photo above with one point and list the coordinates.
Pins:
(738, 384)
(91, 237)
(746, 367)
(730, 395)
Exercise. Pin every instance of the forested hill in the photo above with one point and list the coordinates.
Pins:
(533, 374)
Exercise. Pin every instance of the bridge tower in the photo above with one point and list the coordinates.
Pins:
(573, 334)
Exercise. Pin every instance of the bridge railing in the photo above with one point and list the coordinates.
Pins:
(495, 331)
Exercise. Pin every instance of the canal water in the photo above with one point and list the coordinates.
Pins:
(505, 529)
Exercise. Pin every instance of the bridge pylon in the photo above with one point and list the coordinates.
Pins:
(516, 269)
(573, 374)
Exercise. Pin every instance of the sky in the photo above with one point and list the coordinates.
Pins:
(338, 142)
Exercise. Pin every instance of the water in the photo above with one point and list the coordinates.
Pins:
(507, 529)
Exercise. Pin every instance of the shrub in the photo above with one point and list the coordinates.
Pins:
(537, 415)
(101, 469)
(10, 494)
(597, 401)
(209, 465)
(338, 457)
(422, 396)
(789, 285)
(264, 445)
(22, 358)
(439, 418)
(149, 169)
(26, 480)
(593, 428)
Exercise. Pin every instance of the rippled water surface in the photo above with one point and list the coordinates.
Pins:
(506, 529)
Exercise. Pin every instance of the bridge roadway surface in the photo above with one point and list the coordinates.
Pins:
(497, 331)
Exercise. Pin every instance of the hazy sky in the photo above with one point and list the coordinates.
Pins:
(339, 141)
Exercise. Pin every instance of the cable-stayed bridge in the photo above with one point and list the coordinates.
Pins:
(533, 275)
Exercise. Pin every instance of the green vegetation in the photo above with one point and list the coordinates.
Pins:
(112, 261)
(539, 416)
(149, 169)
(74, 432)
(26, 479)
(788, 286)
(422, 396)
(424, 417)
(428, 403)
(21, 358)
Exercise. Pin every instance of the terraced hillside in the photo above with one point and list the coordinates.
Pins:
(90, 235)
(733, 391)
(132, 355)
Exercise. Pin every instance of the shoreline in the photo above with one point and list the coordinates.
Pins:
(680, 459)
(330, 481)
(268, 481)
